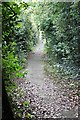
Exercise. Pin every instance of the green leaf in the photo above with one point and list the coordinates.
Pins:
(26, 104)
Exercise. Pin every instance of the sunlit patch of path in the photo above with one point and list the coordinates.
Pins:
(46, 99)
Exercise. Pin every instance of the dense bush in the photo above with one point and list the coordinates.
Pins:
(60, 23)
(18, 36)
(18, 39)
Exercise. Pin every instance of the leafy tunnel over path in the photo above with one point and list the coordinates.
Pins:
(50, 89)
(48, 99)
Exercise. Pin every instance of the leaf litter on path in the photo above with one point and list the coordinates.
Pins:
(47, 98)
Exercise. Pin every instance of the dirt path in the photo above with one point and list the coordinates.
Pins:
(47, 100)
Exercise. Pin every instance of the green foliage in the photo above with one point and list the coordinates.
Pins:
(60, 23)
(29, 116)
(17, 37)
(21, 23)
(10, 86)
(10, 62)
(26, 104)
